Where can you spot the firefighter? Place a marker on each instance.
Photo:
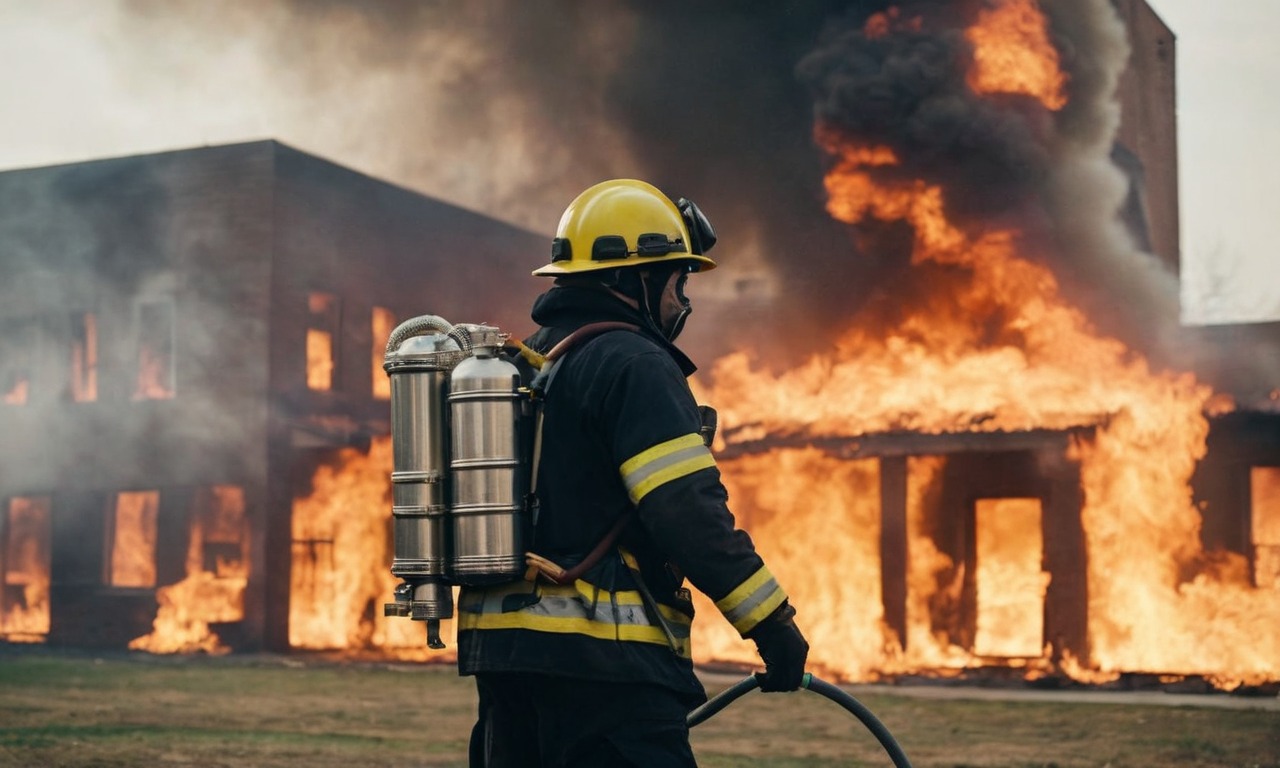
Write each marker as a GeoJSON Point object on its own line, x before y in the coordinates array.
{"type": "Point", "coordinates": [586, 662]}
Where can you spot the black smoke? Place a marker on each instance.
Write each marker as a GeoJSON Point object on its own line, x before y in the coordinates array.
{"type": "Point", "coordinates": [512, 108]}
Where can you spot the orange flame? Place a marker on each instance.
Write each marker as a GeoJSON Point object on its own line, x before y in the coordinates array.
{"type": "Point", "coordinates": [24, 570]}
{"type": "Point", "coordinates": [1012, 54]}
{"type": "Point", "coordinates": [1000, 351]}
{"type": "Point", "coordinates": [341, 572]}
{"type": "Point", "coordinates": [382, 324]}
{"type": "Point", "coordinates": [319, 360]}
{"type": "Point", "coordinates": [213, 590]}
{"type": "Point", "coordinates": [154, 381]}
{"type": "Point", "coordinates": [84, 361]}
{"type": "Point", "coordinates": [1264, 486]}
{"type": "Point", "coordinates": [879, 25]}
{"type": "Point", "coordinates": [133, 539]}
{"type": "Point", "coordinates": [17, 394]}
{"type": "Point", "coordinates": [1009, 582]}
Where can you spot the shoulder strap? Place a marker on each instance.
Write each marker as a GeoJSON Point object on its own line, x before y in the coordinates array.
{"type": "Point", "coordinates": [542, 382]}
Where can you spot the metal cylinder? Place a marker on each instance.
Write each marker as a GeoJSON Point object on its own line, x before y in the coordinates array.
{"type": "Point", "coordinates": [488, 475]}
{"type": "Point", "coordinates": [420, 354]}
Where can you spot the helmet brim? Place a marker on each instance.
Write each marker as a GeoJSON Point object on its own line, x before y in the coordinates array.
{"type": "Point", "coordinates": [558, 268]}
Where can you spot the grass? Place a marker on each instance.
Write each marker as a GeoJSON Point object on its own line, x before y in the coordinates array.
{"type": "Point", "coordinates": [116, 710]}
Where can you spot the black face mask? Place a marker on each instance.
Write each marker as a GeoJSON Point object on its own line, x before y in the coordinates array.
{"type": "Point", "coordinates": [647, 287]}
{"type": "Point", "coordinates": [675, 324]}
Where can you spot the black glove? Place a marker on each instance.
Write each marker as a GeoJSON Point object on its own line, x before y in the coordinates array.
{"type": "Point", "coordinates": [783, 649]}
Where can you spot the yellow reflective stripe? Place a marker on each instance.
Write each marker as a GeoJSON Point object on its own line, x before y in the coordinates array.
{"type": "Point", "coordinates": [663, 463]}
{"type": "Point", "coordinates": [636, 633]}
{"type": "Point", "coordinates": [752, 600]}
{"type": "Point", "coordinates": [669, 613]}
{"type": "Point", "coordinates": [566, 610]}
{"type": "Point", "coordinates": [591, 593]}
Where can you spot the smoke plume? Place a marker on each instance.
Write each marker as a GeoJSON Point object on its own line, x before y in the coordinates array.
{"type": "Point", "coordinates": [512, 108]}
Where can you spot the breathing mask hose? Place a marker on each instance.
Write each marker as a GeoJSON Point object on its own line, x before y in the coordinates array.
{"type": "Point", "coordinates": [821, 687]}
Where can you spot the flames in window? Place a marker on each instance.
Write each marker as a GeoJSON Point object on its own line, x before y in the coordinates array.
{"type": "Point", "coordinates": [321, 335]}
{"type": "Point", "coordinates": [341, 571]}
{"type": "Point", "coordinates": [24, 569]}
{"type": "Point", "coordinates": [384, 322]}
{"type": "Point", "coordinates": [155, 363]}
{"type": "Point", "coordinates": [84, 358]}
{"type": "Point", "coordinates": [132, 556]}
{"type": "Point", "coordinates": [17, 341]}
{"type": "Point", "coordinates": [1265, 489]}
{"type": "Point", "coordinates": [1009, 582]}
{"type": "Point", "coordinates": [217, 572]}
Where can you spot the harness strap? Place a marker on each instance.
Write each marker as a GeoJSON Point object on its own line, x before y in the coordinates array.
{"type": "Point", "coordinates": [553, 573]}
{"type": "Point", "coordinates": [541, 386]}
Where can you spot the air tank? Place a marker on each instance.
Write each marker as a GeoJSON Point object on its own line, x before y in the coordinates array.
{"type": "Point", "coordinates": [488, 475]}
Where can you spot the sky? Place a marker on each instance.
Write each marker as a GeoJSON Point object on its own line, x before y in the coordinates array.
{"type": "Point", "coordinates": [1228, 156]}
{"type": "Point", "coordinates": [86, 79]}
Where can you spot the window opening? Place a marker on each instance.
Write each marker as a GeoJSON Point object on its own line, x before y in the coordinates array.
{"type": "Point", "coordinates": [217, 572]}
{"type": "Point", "coordinates": [132, 539]}
{"type": "Point", "coordinates": [84, 358]}
{"type": "Point", "coordinates": [155, 377]}
{"type": "Point", "coordinates": [322, 333]}
{"type": "Point", "coordinates": [1009, 581]}
{"type": "Point", "coordinates": [1264, 485]}
{"type": "Point", "coordinates": [17, 351]}
{"type": "Point", "coordinates": [24, 569]}
{"type": "Point", "coordinates": [384, 322]}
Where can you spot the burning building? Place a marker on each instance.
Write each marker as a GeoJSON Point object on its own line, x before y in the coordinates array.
{"type": "Point", "coordinates": [187, 337]}
{"type": "Point", "coordinates": [983, 419]}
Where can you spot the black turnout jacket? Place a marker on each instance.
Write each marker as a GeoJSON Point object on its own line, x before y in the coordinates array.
{"type": "Point", "coordinates": [620, 433]}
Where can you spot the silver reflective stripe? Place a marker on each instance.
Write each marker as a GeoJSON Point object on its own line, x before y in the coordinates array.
{"type": "Point", "coordinates": [663, 463]}
{"type": "Point", "coordinates": [752, 600]}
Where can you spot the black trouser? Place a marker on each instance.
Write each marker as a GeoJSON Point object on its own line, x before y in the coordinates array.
{"type": "Point", "coordinates": [532, 721]}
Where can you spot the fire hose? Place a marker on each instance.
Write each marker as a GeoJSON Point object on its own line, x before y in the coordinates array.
{"type": "Point", "coordinates": [820, 687]}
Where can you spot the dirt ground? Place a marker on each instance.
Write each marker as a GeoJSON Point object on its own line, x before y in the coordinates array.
{"type": "Point", "coordinates": [116, 710]}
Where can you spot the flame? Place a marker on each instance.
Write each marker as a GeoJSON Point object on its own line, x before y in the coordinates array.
{"type": "Point", "coordinates": [341, 572]}
{"type": "Point", "coordinates": [319, 360]}
{"type": "Point", "coordinates": [84, 361]}
{"type": "Point", "coordinates": [324, 308]}
{"type": "Point", "coordinates": [155, 381]}
{"type": "Point", "coordinates": [1012, 54]}
{"type": "Point", "coordinates": [994, 348]}
{"type": "Point", "coordinates": [383, 323]}
{"type": "Point", "coordinates": [213, 591]}
{"type": "Point", "coordinates": [934, 580]}
{"type": "Point", "coordinates": [1009, 583]}
{"type": "Point", "coordinates": [133, 540]}
{"type": "Point", "coordinates": [18, 393]}
{"type": "Point", "coordinates": [842, 617]}
{"type": "Point", "coordinates": [24, 570]}
{"type": "Point", "coordinates": [879, 25]}
{"type": "Point", "coordinates": [1264, 485]}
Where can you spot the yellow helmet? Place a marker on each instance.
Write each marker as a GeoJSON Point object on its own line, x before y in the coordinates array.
{"type": "Point", "coordinates": [626, 223]}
